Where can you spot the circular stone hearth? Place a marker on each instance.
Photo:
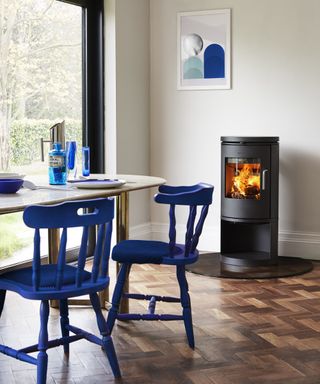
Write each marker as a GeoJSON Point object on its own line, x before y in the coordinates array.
{"type": "Point", "coordinates": [209, 265]}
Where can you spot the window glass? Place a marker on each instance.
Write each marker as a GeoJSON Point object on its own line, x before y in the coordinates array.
{"type": "Point", "coordinates": [40, 85]}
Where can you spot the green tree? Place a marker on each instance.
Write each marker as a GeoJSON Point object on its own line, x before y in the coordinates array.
{"type": "Point", "coordinates": [40, 68]}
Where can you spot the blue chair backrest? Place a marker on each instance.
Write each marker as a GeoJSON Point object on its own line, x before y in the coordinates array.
{"type": "Point", "coordinates": [82, 213]}
{"type": "Point", "coordinates": [192, 196]}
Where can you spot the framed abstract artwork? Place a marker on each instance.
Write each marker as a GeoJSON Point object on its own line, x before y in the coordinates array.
{"type": "Point", "coordinates": [204, 49]}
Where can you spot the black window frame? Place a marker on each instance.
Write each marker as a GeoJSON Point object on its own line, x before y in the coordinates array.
{"type": "Point", "coordinates": [93, 80]}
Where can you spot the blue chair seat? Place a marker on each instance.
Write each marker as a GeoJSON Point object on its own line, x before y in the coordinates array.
{"type": "Point", "coordinates": [153, 252]}
{"type": "Point", "coordinates": [20, 281]}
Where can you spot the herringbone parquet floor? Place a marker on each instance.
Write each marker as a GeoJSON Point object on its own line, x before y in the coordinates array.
{"type": "Point", "coordinates": [247, 332]}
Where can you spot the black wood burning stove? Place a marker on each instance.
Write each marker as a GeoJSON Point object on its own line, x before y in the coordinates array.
{"type": "Point", "coordinates": [249, 200]}
{"type": "Point", "coordinates": [249, 214]}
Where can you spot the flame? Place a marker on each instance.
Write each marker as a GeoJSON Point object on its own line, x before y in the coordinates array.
{"type": "Point", "coordinates": [246, 182]}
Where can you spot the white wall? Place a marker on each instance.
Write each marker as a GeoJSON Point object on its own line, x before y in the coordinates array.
{"type": "Point", "coordinates": [127, 66]}
{"type": "Point", "coordinates": [275, 92]}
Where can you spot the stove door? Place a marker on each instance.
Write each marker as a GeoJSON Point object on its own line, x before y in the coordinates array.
{"type": "Point", "coordinates": [246, 181]}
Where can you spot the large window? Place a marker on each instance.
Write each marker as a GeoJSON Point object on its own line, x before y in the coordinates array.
{"type": "Point", "coordinates": [41, 78]}
{"type": "Point", "coordinates": [51, 70]}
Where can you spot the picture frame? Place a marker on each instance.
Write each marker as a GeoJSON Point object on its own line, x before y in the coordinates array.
{"type": "Point", "coordinates": [203, 50]}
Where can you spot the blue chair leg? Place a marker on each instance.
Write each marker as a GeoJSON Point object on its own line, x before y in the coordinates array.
{"type": "Point", "coordinates": [117, 294]}
{"type": "Point", "coordinates": [186, 304]}
{"type": "Point", "coordinates": [64, 322]}
{"type": "Point", "coordinates": [107, 342]}
{"type": "Point", "coordinates": [2, 299]}
{"type": "Point", "coordinates": [42, 358]}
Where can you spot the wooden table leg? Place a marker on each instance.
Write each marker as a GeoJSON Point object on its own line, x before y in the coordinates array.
{"type": "Point", "coordinates": [123, 234]}
{"type": "Point", "coordinates": [104, 297]}
{"type": "Point", "coordinates": [54, 242]}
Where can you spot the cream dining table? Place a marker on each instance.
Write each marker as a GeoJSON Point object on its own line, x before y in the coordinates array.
{"type": "Point", "coordinates": [10, 203]}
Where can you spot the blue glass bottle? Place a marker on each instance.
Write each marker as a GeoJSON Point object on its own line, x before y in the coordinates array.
{"type": "Point", "coordinates": [71, 153]}
{"type": "Point", "coordinates": [85, 161]}
{"type": "Point", "coordinates": [57, 165]}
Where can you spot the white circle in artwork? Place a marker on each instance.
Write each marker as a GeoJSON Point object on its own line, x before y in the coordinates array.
{"type": "Point", "coordinates": [192, 44]}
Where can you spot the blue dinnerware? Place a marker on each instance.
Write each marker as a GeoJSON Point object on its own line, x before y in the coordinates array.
{"type": "Point", "coordinates": [10, 185]}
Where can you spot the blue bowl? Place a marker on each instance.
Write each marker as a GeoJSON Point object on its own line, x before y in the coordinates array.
{"type": "Point", "coordinates": [10, 185]}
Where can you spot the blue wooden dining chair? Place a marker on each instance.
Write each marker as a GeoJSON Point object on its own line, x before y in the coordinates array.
{"type": "Point", "coordinates": [130, 252]}
{"type": "Point", "coordinates": [61, 281]}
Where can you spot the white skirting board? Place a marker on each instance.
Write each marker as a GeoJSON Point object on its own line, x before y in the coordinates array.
{"type": "Point", "coordinates": [295, 244]}
{"type": "Point", "coordinates": [299, 244]}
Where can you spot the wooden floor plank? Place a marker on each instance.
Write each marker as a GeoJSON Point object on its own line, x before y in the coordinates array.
{"type": "Point", "coordinates": [247, 332]}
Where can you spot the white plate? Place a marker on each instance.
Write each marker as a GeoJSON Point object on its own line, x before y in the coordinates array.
{"type": "Point", "coordinates": [103, 184]}
{"type": "Point", "coordinates": [4, 175]}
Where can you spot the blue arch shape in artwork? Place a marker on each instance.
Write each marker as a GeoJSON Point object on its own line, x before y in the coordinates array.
{"type": "Point", "coordinates": [214, 62]}
{"type": "Point", "coordinates": [193, 68]}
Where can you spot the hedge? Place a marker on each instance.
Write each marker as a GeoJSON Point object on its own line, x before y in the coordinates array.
{"type": "Point", "coordinates": [25, 138]}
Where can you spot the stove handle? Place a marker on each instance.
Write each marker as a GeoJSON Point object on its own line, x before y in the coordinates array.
{"type": "Point", "coordinates": [264, 172]}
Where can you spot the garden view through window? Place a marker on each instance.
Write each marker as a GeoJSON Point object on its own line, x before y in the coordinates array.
{"type": "Point", "coordinates": [40, 85]}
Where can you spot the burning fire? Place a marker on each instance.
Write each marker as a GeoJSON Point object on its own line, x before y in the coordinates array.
{"type": "Point", "coordinates": [246, 182]}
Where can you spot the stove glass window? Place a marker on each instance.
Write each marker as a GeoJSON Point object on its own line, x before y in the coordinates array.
{"type": "Point", "coordinates": [243, 176]}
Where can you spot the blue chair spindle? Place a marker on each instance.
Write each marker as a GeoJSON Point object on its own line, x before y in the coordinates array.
{"type": "Point", "coordinates": [106, 251]}
{"type": "Point", "coordinates": [97, 254]}
{"type": "Point", "coordinates": [172, 229]}
{"type": "Point", "coordinates": [129, 252]}
{"type": "Point", "coordinates": [36, 262]}
{"type": "Point", "coordinates": [61, 259]}
{"type": "Point", "coordinates": [61, 281]}
{"type": "Point", "coordinates": [198, 231]}
{"type": "Point", "coordinates": [82, 256]}
{"type": "Point", "coordinates": [190, 229]}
